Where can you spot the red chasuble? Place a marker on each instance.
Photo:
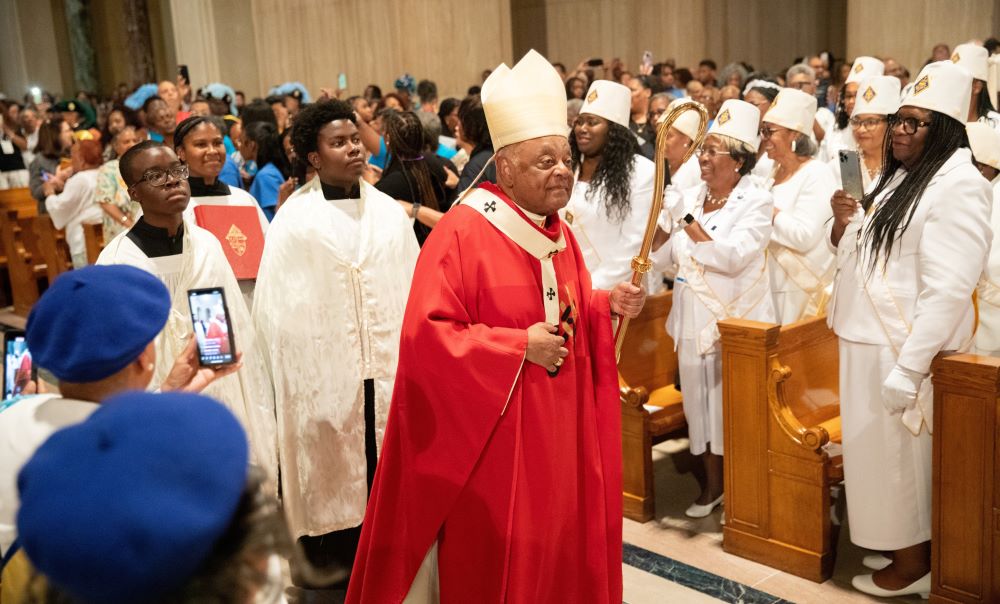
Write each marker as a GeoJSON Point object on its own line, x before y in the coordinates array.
{"type": "Point", "coordinates": [515, 474]}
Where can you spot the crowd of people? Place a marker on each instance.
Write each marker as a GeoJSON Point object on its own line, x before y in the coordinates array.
{"type": "Point", "coordinates": [435, 297]}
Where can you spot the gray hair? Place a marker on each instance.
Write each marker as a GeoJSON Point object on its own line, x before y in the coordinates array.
{"type": "Point", "coordinates": [799, 69]}
{"type": "Point", "coordinates": [431, 124]}
{"type": "Point", "coordinates": [739, 151]}
{"type": "Point", "coordinates": [662, 95]}
{"type": "Point", "coordinates": [803, 146]}
{"type": "Point", "coordinates": [729, 70]}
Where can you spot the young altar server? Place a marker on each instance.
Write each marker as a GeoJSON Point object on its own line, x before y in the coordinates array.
{"type": "Point", "coordinates": [717, 251]}
{"type": "Point", "coordinates": [613, 192]}
{"type": "Point", "coordinates": [984, 142]}
{"type": "Point", "coordinates": [909, 257]}
{"type": "Point", "coordinates": [329, 304]}
{"type": "Point", "coordinates": [799, 262]}
{"type": "Point", "coordinates": [184, 256]}
{"type": "Point", "coordinates": [500, 479]}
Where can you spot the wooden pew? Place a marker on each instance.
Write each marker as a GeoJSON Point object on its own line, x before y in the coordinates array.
{"type": "Point", "coordinates": [781, 409]}
{"type": "Point", "coordinates": [93, 236]}
{"type": "Point", "coordinates": [24, 262]}
{"type": "Point", "coordinates": [651, 406]}
{"type": "Point", "coordinates": [965, 504]}
{"type": "Point", "coordinates": [53, 247]}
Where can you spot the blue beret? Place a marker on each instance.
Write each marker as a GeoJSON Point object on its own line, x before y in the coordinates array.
{"type": "Point", "coordinates": [293, 89]}
{"type": "Point", "coordinates": [137, 99]}
{"type": "Point", "coordinates": [94, 321]}
{"type": "Point", "coordinates": [220, 92]}
{"type": "Point", "coordinates": [127, 505]}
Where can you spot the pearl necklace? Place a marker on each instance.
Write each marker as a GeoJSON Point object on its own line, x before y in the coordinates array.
{"type": "Point", "coordinates": [712, 200]}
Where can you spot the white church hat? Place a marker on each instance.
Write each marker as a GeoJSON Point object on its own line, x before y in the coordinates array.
{"type": "Point", "coordinates": [526, 102]}
{"type": "Point", "coordinates": [609, 100]}
{"type": "Point", "coordinates": [793, 109]}
{"type": "Point", "coordinates": [877, 95]}
{"type": "Point", "coordinates": [739, 120]}
{"type": "Point", "coordinates": [944, 87]}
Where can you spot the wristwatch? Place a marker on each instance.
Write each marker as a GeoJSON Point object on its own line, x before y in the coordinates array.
{"type": "Point", "coordinates": [416, 208]}
{"type": "Point", "coordinates": [688, 219]}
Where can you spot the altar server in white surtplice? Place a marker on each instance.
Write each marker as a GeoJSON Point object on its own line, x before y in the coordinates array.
{"type": "Point", "coordinates": [909, 257]}
{"type": "Point", "coordinates": [984, 142]}
{"type": "Point", "coordinates": [718, 251]}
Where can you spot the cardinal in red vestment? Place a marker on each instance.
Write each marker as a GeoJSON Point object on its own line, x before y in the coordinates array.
{"type": "Point", "coordinates": [500, 474]}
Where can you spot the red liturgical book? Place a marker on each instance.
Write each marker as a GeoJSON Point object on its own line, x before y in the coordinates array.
{"type": "Point", "coordinates": [238, 230]}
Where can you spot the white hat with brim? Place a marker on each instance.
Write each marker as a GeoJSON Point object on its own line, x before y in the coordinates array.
{"type": "Point", "coordinates": [609, 100]}
{"type": "Point", "coordinates": [941, 86]}
{"type": "Point", "coordinates": [526, 102]}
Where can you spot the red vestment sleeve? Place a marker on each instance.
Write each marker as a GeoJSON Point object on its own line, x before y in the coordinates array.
{"type": "Point", "coordinates": [454, 380]}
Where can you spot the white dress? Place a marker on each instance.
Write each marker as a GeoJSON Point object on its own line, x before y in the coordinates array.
{"type": "Point", "coordinates": [73, 208]}
{"type": "Point", "coordinates": [248, 393]}
{"type": "Point", "coordinates": [799, 261]}
{"type": "Point", "coordinates": [607, 243]}
{"type": "Point", "coordinates": [329, 304]}
{"type": "Point", "coordinates": [903, 313]}
{"type": "Point", "coordinates": [719, 279]}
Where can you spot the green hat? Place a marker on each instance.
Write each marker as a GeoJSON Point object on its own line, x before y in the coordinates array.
{"type": "Point", "coordinates": [83, 108]}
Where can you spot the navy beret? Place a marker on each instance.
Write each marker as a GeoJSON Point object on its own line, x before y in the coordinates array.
{"type": "Point", "coordinates": [127, 506]}
{"type": "Point", "coordinates": [94, 321]}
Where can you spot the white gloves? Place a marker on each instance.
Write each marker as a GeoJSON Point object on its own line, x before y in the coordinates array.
{"type": "Point", "coordinates": [673, 205]}
{"type": "Point", "coordinates": [900, 389]}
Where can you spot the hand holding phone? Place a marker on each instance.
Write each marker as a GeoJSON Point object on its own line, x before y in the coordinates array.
{"type": "Point", "coordinates": [212, 327]}
{"type": "Point", "coordinates": [19, 371]}
{"type": "Point", "coordinates": [595, 62]}
{"type": "Point", "coordinates": [850, 174]}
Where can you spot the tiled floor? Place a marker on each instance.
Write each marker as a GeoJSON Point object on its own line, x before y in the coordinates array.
{"type": "Point", "coordinates": [698, 543]}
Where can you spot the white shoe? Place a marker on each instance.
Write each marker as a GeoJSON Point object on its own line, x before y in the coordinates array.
{"type": "Point", "coordinates": [865, 584]}
{"type": "Point", "coordinates": [701, 511]}
{"type": "Point", "coordinates": [876, 561]}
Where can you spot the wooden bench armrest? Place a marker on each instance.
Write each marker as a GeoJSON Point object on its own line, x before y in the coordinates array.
{"type": "Point", "coordinates": [634, 397]}
{"type": "Point", "coordinates": [812, 438]}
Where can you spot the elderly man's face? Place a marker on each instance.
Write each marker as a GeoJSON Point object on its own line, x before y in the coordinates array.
{"type": "Point", "coordinates": [537, 174]}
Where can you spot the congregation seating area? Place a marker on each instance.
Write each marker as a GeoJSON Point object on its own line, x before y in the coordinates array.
{"type": "Point", "coordinates": [34, 251]}
{"type": "Point", "coordinates": [783, 466]}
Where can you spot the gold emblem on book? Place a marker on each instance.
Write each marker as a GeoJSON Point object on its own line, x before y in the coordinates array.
{"type": "Point", "coordinates": [922, 85]}
{"type": "Point", "coordinates": [237, 240]}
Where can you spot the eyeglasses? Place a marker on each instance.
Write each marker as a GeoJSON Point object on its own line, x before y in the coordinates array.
{"type": "Point", "coordinates": [909, 124]}
{"type": "Point", "coordinates": [158, 178]}
{"type": "Point", "coordinates": [866, 124]}
{"type": "Point", "coordinates": [767, 132]}
{"type": "Point", "coordinates": [710, 153]}
{"type": "Point", "coordinates": [800, 85]}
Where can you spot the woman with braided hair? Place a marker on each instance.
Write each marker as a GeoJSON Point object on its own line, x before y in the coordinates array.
{"type": "Point", "coordinates": [613, 192]}
{"type": "Point", "coordinates": [909, 256]}
{"type": "Point", "coordinates": [414, 178]}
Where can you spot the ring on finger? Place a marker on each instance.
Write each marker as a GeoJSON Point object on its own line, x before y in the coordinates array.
{"type": "Point", "coordinates": [559, 362]}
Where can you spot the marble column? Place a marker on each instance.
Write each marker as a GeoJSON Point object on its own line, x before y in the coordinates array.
{"type": "Point", "coordinates": [140, 42]}
{"type": "Point", "coordinates": [81, 50]}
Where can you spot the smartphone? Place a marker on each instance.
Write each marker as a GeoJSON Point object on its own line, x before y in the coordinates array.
{"type": "Point", "coordinates": [18, 368]}
{"type": "Point", "coordinates": [850, 174]}
{"type": "Point", "coordinates": [647, 62]}
{"type": "Point", "coordinates": [46, 177]}
{"type": "Point", "coordinates": [182, 70]}
{"type": "Point", "coordinates": [595, 62]}
{"type": "Point", "coordinates": [212, 326]}
{"type": "Point", "coordinates": [342, 81]}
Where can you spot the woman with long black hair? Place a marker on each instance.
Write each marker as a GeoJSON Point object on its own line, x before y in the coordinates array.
{"type": "Point", "coordinates": [414, 178]}
{"type": "Point", "coordinates": [613, 192]}
{"type": "Point", "coordinates": [909, 256]}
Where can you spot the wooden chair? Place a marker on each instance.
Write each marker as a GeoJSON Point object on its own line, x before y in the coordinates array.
{"type": "Point", "coordinates": [93, 236]}
{"type": "Point", "coordinates": [651, 406]}
{"type": "Point", "coordinates": [24, 262]}
{"type": "Point", "coordinates": [965, 502]}
{"type": "Point", "coordinates": [53, 247]}
{"type": "Point", "coordinates": [781, 409]}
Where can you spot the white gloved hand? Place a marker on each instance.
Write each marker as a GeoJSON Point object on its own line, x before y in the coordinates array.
{"type": "Point", "coordinates": [899, 390]}
{"type": "Point", "coordinates": [673, 205]}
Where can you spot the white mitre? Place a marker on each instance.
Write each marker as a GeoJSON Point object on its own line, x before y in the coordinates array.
{"type": "Point", "coordinates": [526, 102]}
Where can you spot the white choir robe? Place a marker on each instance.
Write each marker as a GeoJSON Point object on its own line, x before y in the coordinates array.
{"type": "Point", "coordinates": [329, 306]}
{"type": "Point", "coordinates": [988, 334]}
{"type": "Point", "coordinates": [247, 393]}
{"type": "Point", "coordinates": [236, 197]}
{"type": "Point", "coordinates": [919, 304]}
{"type": "Point", "coordinates": [608, 244]}
{"type": "Point", "coordinates": [734, 268]}
{"type": "Point", "coordinates": [800, 263]}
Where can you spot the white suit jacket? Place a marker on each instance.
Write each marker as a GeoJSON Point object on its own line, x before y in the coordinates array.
{"type": "Point", "coordinates": [988, 334]}
{"type": "Point", "coordinates": [932, 271]}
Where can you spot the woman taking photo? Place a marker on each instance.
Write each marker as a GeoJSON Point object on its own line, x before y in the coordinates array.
{"type": "Point", "coordinates": [878, 99]}
{"type": "Point", "coordinates": [909, 257]}
{"type": "Point", "coordinates": [801, 186]}
{"type": "Point", "coordinates": [613, 192]}
{"type": "Point", "coordinates": [841, 136]}
{"type": "Point", "coordinates": [718, 251]}
{"type": "Point", "coordinates": [198, 142]}
{"type": "Point", "coordinates": [414, 178]}
{"type": "Point", "coordinates": [51, 163]}
{"type": "Point", "coordinates": [119, 211]}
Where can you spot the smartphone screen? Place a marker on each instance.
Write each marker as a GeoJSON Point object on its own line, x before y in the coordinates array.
{"type": "Point", "coordinates": [182, 70]}
{"type": "Point", "coordinates": [647, 60]}
{"type": "Point", "coordinates": [850, 174]}
{"type": "Point", "coordinates": [212, 327]}
{"type": "Point", "coordinates": [18, 368]}
{"type": "Point", "coordinates": [595, 62]}
{"type": "Point", "coordinates": [342, 81]}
